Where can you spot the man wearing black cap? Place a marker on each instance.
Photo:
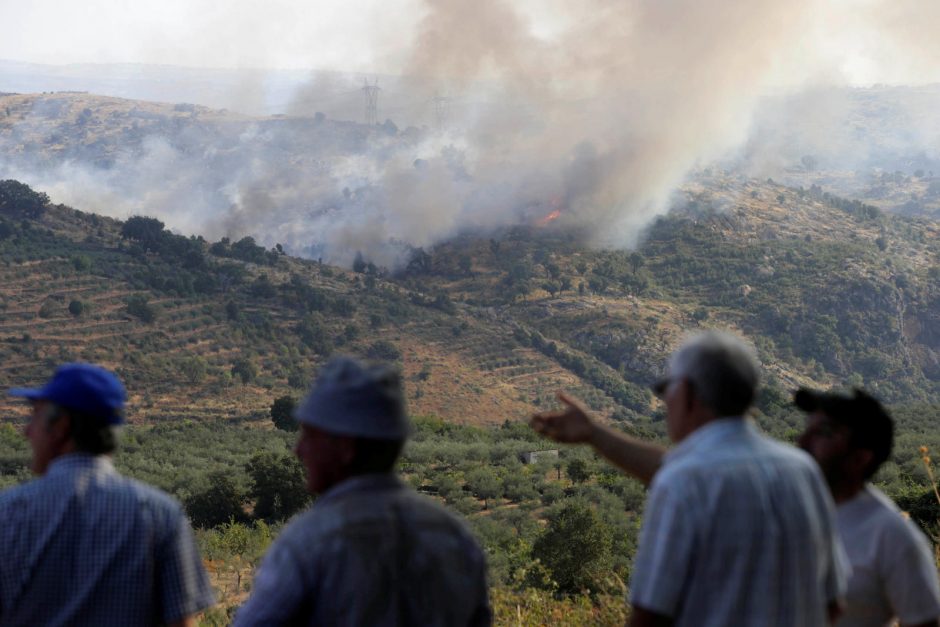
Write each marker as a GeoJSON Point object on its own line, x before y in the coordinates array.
{"type": "Point", "coordinates": [370, 551]}
{"type": "Point", "coordinates": [82, 545]}
{"type": "Point", "coordinates": [893, 570]}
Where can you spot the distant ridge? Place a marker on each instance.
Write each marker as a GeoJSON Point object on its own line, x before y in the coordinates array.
{"type": "Point", "coordinates": [251, 91]}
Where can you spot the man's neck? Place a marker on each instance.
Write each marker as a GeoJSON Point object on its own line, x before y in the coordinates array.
{"type": "Point", "coordinates": [710, 420]}
{"type": "Point", "coordinates": [702, 418]}
{"type": "Point", "coordinates": [846, 491]}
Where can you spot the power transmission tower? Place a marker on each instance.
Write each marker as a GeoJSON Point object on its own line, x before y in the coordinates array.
{"type": "Point", "coordinates": [441, 109]}
{"type": "Point", "coordinates": [371, 93]}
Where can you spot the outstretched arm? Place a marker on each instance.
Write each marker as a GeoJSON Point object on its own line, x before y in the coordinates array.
{"type": "Point", "coordinates": [573, 424]}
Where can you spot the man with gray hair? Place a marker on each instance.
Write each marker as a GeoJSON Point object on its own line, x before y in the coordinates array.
{"type": "Point", "coordinates": [738, 528]}
{"type": "Point", "coordinates": [82, 545]}
{"type": "Point", "coordinates": [370, 551]}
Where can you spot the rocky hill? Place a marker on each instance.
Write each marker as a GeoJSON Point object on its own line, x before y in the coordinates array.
{"type": "Point", "coordinates": [485, 327]}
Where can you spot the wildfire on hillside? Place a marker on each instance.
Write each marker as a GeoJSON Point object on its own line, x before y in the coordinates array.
{"type": "Point", "coordinates": [554, 214]}
{"type": "Point", "coordinates": [544, 220]}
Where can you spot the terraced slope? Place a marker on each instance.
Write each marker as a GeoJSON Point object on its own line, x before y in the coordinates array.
{"type": "Point", "coordinates": [486, 327]}
{"type": "Point", "coordinates": [226, 351]}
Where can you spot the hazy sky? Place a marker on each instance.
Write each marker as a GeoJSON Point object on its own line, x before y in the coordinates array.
{"type": "Point", "coordinates": [354, 34]}
{"type": "Point", "coordinates": [853, 41]}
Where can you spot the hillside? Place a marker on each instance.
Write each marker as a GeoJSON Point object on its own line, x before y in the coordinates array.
{"type": "Point", "coordinates": [272, 320]}
{"type": "Point", "coordinates": [485, 327]}
{"type": "Point", "coordinates": [832, 290]}
{"type": "Point", "coordinates": [42, 130]}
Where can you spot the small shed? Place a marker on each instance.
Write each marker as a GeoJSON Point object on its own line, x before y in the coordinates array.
{"type": "Point", "coordinates": [531, 457]}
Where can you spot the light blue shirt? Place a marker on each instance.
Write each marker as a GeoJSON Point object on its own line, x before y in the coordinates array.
{"type": "Point", "coordinates": [83, 545]}
{"type": "Point", "coordinates": [371, 552]}
{"type": "Point", "coordinates": [738, 530]}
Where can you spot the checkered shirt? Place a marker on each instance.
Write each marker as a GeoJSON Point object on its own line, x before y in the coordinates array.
{"type": "Point", "coordinates": [371, 552]}
{"type": "Point", "coordinates": [83, 545]}
{"type": "Point", "coordinates": [738, 530]}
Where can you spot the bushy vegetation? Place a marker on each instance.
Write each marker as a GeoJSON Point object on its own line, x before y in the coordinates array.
{"type": "Point", "coordinates": [552, 530]}
{"type": "Point", "coordinates": [19, 200]}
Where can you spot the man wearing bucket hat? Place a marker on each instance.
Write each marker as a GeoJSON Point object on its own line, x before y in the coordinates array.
{"type": "Point", "coordinates": [81, 544]}
{"type": "Point", "coordinates": [370, 551]}
{"type": "Point", "coordinates": [894, 575]}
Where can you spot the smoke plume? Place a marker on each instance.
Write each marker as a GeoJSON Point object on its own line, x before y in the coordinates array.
{"type": "Point", "coordinates": [502, 113]}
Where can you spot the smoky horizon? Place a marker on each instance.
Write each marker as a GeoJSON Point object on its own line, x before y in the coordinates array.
{"type": "Point", "coordinates": [427, 120]}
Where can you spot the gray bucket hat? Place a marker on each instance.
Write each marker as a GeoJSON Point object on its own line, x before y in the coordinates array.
{"type": "Point", "coordinates": [355, 399]}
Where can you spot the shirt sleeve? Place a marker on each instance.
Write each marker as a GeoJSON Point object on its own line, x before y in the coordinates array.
{"type": "Point", "coordinates": [183, 585]}
{"type": "Point", "coordinates": [911, 578]}
{"type": "Point", "coordinates": [666, 549]}
{"type": "Point", "coordinates": [277, 591]}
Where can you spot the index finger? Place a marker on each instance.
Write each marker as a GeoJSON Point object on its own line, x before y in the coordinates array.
{"type": "Point", "coordinates": [570, 401]}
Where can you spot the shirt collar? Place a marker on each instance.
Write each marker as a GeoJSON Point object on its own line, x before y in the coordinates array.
{"type": "Point", "coordinates": [361, 483]}
{"type": "Point", "coordinates": [72, 462]}
{"type": "Point", "coordinates": [709, 434]}
{"type": "Point", "coordinates": [858, 501]}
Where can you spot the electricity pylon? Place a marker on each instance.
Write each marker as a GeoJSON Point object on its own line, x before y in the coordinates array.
{"type": "Point", "coordinates": [371, 93]}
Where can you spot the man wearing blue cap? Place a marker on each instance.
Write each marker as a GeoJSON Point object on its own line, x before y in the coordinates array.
{"type": "Point", "coordinates": [370, 551]}
{"type": "Point", "coordinates": [82, 545]}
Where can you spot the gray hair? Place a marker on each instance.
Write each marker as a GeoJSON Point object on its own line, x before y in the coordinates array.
{"type": "Point", "coordinates": [722, 368]}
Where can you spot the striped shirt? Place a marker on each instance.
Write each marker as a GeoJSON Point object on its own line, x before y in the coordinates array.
{"type": "Point", "coordinates": [83, 545]}
{"type": "Point", "coordinates": [739, 530]}
{"type": "Point", "coordinates": [371, 552]}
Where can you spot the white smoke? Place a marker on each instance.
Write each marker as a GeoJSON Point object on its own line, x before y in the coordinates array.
{"type": "Point", "coordinates": [599, 108]}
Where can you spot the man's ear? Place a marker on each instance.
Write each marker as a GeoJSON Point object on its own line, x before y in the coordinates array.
{"type": "Point", "coordinates": [688, 393]}
{"type": "Point", "coordinates": [60, 430]}
{"type": "Point", "coordinates": [859, 460]}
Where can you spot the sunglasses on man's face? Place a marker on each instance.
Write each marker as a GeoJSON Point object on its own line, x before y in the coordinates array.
{"type": "Point", "coordinates": [659, 387]}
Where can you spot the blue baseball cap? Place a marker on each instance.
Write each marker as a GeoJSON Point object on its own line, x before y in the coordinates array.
{"type": "Point", "coordinates": [355, 399]}
{"type": "Point", "coordinates": [85, 388]}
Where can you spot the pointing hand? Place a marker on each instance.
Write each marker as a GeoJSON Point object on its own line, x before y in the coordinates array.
{"type": "Point", "coordinates": [571, 424]}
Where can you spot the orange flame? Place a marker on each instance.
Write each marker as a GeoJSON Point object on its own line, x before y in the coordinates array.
{"type": "Point", "coordinates": [554, 215]}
